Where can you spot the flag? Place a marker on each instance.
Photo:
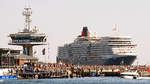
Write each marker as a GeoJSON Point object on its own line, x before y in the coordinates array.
{"type": "Point", "coordinates": [148, 70]}
{"type": "Point", "coordinates": [6, 59]}
{"type": "Point", "coordinates": [114, 29]}
{"type": "Point", "coordinates": [43, 51]}
{"type": "Point", "coordinates": [35, 52]}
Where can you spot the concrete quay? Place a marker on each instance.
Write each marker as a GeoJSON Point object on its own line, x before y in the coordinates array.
{"type": "Point", "coordinates": [70, 71]}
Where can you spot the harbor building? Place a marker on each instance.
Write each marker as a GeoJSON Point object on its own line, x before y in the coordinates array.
{"type": "Point", "coordinates": [27, 38]}
{"type": "Point", "coordinates": [7, 57]}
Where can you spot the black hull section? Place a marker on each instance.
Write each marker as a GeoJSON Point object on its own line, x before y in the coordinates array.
{"type": "Point", "coordinates": [126, 60]}
{"type": "Point", "coordinates": [118, 60]}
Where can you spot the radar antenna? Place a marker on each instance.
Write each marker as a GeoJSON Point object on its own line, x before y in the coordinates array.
{"type": "Point", "coordinates": [27, 13]}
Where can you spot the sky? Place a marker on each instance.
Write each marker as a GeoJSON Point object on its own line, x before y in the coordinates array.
{"type": "Point", "coordinates": [62, 21]}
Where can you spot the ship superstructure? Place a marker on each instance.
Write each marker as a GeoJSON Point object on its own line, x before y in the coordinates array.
{"type": "Point", "coordinates": [109, 50]}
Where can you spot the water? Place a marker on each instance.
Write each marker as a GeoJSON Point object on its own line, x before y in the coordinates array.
{"type": "Point", "coordinates": [86, 80]}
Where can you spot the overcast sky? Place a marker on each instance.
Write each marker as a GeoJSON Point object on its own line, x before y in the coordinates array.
{"type": "Point", "coordinates": [62, 21]}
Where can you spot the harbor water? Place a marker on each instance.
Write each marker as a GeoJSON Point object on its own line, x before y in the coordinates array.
{"type": "Point", "coordinates": [85, 80]}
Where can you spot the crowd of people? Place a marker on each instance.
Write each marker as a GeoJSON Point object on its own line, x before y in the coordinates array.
{"type": "Point", "coordinates": [68, 70]}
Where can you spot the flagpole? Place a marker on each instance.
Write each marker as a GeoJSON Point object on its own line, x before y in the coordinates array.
{"type": "Point", "coordinates": [45, 58]}
{"type": "Point", "coordinates": [8, 59]}
{"type": "Point", "coordinates": [115, 30]}
{"type": "Point", "coordinates": [48, 50]}
{"type": "Point", "coordinates": [43, 52]}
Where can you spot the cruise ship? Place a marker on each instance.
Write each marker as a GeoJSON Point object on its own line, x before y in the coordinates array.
{"type": "Point", "coordinates": [93, 50]}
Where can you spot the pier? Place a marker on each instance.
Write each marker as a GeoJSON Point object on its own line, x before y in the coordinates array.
{"type": "Point", "coordinates": [43, 71]}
